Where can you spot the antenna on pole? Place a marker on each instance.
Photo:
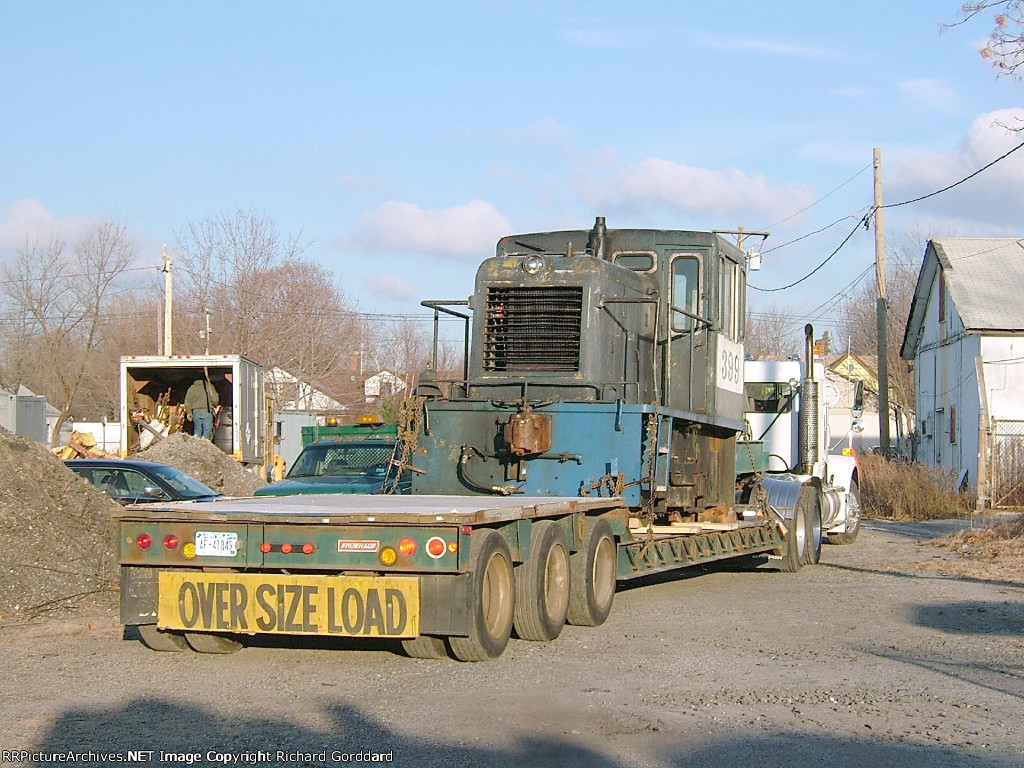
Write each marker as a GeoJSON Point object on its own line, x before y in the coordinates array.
{"type": "Point", "coordinates": [168, 314]}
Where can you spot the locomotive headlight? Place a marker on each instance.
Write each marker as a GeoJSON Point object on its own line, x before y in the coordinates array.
{"type": "Point", "coordinates": [533, 264]}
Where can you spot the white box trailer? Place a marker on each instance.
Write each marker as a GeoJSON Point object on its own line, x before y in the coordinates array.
{"type": "Point", "coordinates": [151, 385]}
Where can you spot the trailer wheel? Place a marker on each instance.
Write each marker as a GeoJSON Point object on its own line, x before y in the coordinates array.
{"type": "Point", "coordinates": [204, 642]}
{"type": "Point", "coordinates": [161, 640]}
{"type": "Point", "coordinates": [425, 647]}
{"type": "Point", "coordinates": [812, 521]}
{"type": "Point", "coordinates": [542, 584]}
{"type": "Point", "coordinates": [592, 573]}
{"type": "Point", "coordinates": [853, 521]}
{"type": "Point", "coordinates": [490, 563]}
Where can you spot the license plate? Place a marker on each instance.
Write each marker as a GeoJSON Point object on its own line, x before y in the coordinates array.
{"type": "Point", "coordinates": [254, 603]}
{"type": "Point", "coordinates": [216, 544]}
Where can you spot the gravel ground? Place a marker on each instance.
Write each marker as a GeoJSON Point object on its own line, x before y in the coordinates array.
{"type": "Point", "coordinates": [56, 531]}
{"type": "Point", "coordinates": [876, 657]}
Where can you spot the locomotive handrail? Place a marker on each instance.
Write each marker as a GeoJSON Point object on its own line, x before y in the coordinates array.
{"type": "Point", "coordinates": [440, 306]}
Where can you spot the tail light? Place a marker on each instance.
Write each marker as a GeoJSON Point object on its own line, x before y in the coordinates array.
{"type": "Point", "coordinates": [436, 547]}
{"type": "Point", "coordinates": [144, 540]}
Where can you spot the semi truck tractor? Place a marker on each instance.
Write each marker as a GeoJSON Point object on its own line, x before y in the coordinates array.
{"type": "Point", "coordinates": [599, 431]}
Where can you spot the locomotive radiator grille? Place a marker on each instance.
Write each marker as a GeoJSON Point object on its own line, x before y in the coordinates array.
{"type": "Point", "coordinates": [533, 329]}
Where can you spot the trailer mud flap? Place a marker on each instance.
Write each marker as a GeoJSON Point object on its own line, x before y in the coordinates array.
{"type": "Point", "coordinates": [343, 606]}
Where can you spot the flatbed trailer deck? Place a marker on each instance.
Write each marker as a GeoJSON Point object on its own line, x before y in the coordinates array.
{"type": "Point", "coordinates": [405, 567]}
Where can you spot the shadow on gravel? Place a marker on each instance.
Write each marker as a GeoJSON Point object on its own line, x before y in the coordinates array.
{"type": "Point", "coordinates": [972, 618]}
{"type": "Point", "coordinates": [932, 529]}
{"type": "Point", "coordinates": [926, 576]}
{"type": "Point", "coordinates": [352, 738]}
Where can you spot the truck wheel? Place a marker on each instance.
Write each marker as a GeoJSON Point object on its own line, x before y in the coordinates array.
{"type": "Point", "coordinates": [796, 542]}
{"type": "Point", "coordinates": [425, 647]}
{"type": "Point", "coordinates": [853, 519]}
{"type": "Point", "coordinates": [592, 573]}
{"type": "Point", "coordinates": [812, 521]}
{"type": "Point", "coordinates": [204, 642]}
{"type": "Point", "coordinates": [542, 584]}
{"type": "Point", "coordinates": [493, 599]}
{"type": "Point", "coordinates": [161, 640]}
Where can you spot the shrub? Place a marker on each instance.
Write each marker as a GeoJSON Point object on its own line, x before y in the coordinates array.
{"type": "Point", "coordinates": [900, 490]}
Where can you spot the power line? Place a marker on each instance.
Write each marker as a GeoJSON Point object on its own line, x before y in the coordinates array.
{"type": "Point", "coordinates": [811, 234]}
{"type": "Point", "coordinates": [820, 199]}
{"type": "Point", "coordinates": [958, 183]}
{"type": "Point", "coordinates": [866, 220]}
{"type": "Point", "coordinates": [829, 258]}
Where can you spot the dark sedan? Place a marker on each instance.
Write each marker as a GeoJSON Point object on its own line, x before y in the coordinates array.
{"type": "Point", "coordinates": [133, 482]}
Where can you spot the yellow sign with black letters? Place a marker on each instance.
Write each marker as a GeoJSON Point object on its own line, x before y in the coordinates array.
{"type": "Point", "coordinates": [253, 603]}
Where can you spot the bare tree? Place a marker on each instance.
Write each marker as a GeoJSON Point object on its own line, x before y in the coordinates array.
{"type": "Point", "coordinates": [61, 295]}
{"type": "Point", "coordinates": [220, 267]}
{"type": "Point", "coordinates": [265, 301]}
{"type": "Point", "coordinates": [1005, 46]}
{"type": "Point", "coordinates": [858, 319]}
{"type": "Point", "coordinates": [771, 333]}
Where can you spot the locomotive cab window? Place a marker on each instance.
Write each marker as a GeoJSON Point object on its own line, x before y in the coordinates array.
{"type": "Point", "coordinates": [638, 262]}
{"type": "Point", "coordinates": [685, 285]}
{"type": "Point", "coordinates": [731, 298]}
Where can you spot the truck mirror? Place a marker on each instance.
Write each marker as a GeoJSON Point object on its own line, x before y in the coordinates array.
{"type": "Point", "coordinates": [858, 400]}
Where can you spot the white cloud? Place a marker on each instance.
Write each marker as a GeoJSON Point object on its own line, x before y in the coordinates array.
{"type": "Point", "coordinates": [468, 230]}
{"type": "Point", "coordinates": [728, 193]}
{"type": "Point", "coordinates": [28, 220]}
{"type": "Point", "coordinates": [993, 199]}
{"type": "Point", "coordinates": [390, 286]}
{"type": "Point", "coordinates": [931, 94]}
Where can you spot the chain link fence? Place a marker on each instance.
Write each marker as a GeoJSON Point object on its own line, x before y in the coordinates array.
{"type": "Point", "coordinates": [1007, 464]}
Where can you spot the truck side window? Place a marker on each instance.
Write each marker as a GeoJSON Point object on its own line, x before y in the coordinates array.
{"type": "Point", "coordinates": [769, 397]}
{"type": "Point", "coordinates": [685, 284]}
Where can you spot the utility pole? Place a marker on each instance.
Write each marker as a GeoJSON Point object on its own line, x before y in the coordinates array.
{"type": "Point", "coordinates": [881, 311]}
{"type": "Point", "coordinates": [168, 314]}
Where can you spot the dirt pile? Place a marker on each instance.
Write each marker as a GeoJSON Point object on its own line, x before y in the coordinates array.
{"type": "Point", "coordinates": [204, 461]}
{"type": "Point", "coordinates": [989, 553]}
{"type": "Point", "coordinates": [56, 533]}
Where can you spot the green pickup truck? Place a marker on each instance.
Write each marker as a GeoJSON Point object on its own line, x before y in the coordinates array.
{"type": "Point", "coordinates": [353, 458]}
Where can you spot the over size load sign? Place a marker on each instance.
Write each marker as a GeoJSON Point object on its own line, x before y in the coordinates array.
{"type": "Point", "coordinates": [343, 606]}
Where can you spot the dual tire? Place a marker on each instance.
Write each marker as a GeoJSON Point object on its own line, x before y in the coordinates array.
{"type": "Point", "coordinates": [803, 545]}
{"type": "Point", "coordinates": [536, 598]}
{"type": "Point", "coordinates": [171, 641]}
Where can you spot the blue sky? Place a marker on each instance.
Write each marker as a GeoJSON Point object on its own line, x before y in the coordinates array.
{"type": "Point", "coordinates": [402, 139]}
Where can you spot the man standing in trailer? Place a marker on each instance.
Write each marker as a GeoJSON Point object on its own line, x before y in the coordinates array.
{"type": "Point", "coordinates": [201, 402]}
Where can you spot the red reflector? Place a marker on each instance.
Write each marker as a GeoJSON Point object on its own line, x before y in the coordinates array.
{"type": "Point", "coordinates": [467, 530]}
{"type": "Point", "coordinates": [170, 541]}
{"type": "Point", "coordinates": [265, 547]}
{"type": "Point", "coordinates": [144, 541]}
{"type": "Point", "coordinates": [436, 547]}
{"type": "Point", "coordinates": [407, 547]}
{"type": "Point", "coordinates": [307, 549]}
{"type": "Point", "coordinates": [286, 548]}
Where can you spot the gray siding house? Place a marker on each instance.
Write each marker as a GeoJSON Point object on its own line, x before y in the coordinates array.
{"type": "Point", "coordinates": [965, 336]}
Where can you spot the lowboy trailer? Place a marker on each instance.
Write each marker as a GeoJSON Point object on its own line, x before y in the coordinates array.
{"type": "Point", "coordinates": [597, 434]}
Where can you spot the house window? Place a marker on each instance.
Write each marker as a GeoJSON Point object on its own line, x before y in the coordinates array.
{"type": "Point", "coordinates": [952, 423]}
